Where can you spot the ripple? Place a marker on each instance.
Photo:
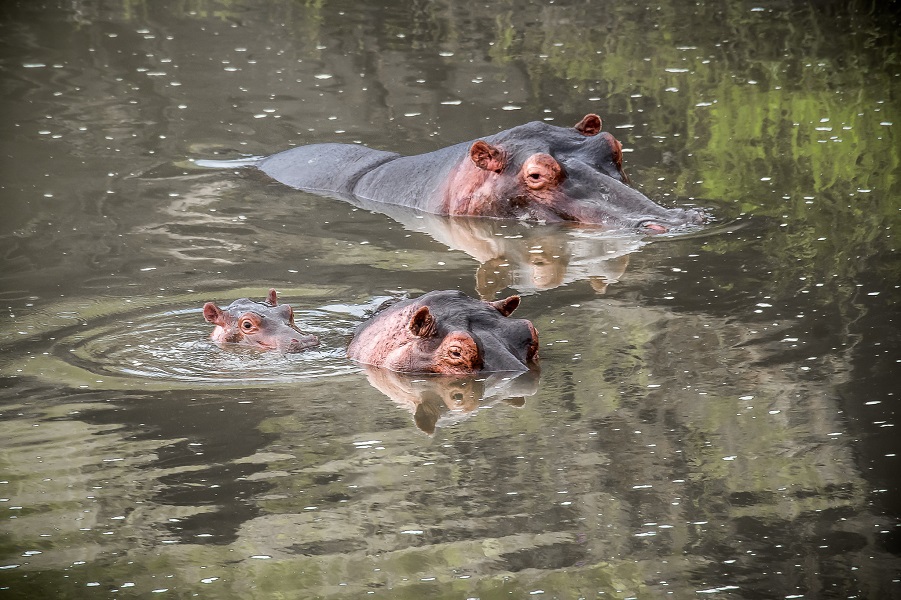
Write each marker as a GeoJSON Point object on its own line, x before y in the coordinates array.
{"type": "Point", "coordinates": [114, 346]}
{"type": "Point", "coordinates": [174, 345]}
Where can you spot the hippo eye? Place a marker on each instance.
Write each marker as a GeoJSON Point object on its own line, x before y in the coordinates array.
{"type": "Point", "coordinates": [455, 352]}
{"type": "Point", "coordinates": [247, 325]}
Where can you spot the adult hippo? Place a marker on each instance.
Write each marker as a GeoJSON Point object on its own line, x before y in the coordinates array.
{"type": "Point", "coordinates": [265, 325]}
{"type": "Point", "coordinates": [449, 333]}
{"type": "Point", "coordinates": [536, 171]}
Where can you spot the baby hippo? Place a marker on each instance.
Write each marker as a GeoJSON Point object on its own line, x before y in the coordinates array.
{"type": "Point", "coordinates": [263, 325]}
{"type": "Point", "coordinates": [447, 332]}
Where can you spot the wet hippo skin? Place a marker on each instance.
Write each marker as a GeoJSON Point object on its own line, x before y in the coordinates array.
{"type": "Point", "coordinates": [536, 171]}
{"type": "Point", "coordinates": [265, 325]}
{"type": "Point", "coordinates": [447, 332]}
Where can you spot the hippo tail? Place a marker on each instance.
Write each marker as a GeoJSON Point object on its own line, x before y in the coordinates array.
{"type": "Point", "coordinates": [250, 161]}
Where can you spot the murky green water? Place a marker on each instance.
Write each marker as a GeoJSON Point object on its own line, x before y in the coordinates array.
{"type": "Point", "coordinates": [716, 412]}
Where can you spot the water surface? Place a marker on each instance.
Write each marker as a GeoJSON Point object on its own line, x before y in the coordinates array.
{"type": "Point", "coordinates": [715, 412]}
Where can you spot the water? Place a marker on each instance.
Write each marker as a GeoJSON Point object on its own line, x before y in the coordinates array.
{"type": "Point", "coordinates": [715, 413]}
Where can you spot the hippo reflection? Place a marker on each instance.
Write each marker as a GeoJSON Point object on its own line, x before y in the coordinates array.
{"type": "Point", "coordinates": [523, 256]}
{"type": "Point", "coordinates": [442, 400]}
{"type": "Point", "coordinates": [265, 325]}
{"type": "Point", "coordinates": [536, 172]}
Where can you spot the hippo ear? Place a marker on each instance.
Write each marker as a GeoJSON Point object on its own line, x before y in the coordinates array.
{"type": "Point", "coordinates": [213, 314]}
{"type": "Point", "coordinates": [506, 306]}
{"type": "Point", "coordinates": [272, 298]}
{"type": "Point", "coordinates": [487, 157]}
{"type": "Point", "coordinates": [422, 323]}
{"type": "Point", "coordinates": [589, 125]}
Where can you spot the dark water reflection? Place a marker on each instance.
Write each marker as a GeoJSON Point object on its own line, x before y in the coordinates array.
{"type": "Point", "coordinates": [716, 412]}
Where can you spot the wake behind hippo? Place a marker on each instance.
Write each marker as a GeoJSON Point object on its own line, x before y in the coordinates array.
{"type": "Point", "coordinates": [536, 171]}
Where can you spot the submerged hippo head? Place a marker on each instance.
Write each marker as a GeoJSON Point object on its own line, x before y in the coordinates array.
{"type": "Point", "coordinates": [547, 173]}
{"type": "Point", "coordinates": [447, 332]}
{"type": "Point", "coordinates": [263, 325]}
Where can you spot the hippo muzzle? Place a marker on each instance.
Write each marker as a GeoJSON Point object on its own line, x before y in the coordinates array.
{"type": "Point", "coordinates": [594, 197]}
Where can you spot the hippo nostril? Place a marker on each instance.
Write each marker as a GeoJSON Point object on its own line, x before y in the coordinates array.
{"type": "Point", "coordinates": [654, 227]}
{"type": "Point", "coordinates": [696, 216]}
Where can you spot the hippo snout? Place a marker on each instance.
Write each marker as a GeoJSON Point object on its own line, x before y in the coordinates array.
{"type": "Point", "coordinates": [676, 217]}
{"type": "Point", "coordinates": [300, 344]}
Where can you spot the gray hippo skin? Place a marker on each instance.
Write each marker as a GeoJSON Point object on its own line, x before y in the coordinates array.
{"type": "Point", "coordinates": [449, 333]}
{"type": "Point", "coordinates": [536, 171]}
{"type": "Point", "coordinates": [265, 325]}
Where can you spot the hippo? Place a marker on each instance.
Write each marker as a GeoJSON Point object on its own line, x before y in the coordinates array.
{"type": "Point", "coordinates": [448, 333]}
{"type": "Point", "coordinates": [265, 325]}
{"type": "Point", "coordinates": [536, 172]}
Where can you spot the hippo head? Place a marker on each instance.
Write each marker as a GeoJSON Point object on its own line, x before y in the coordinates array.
{"type": "Point", "coordinates": [542, 172]}
{"type": "Point", "coordinates": [263, 325]}
{"type": "Point", "coordinates": [449, 333]}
